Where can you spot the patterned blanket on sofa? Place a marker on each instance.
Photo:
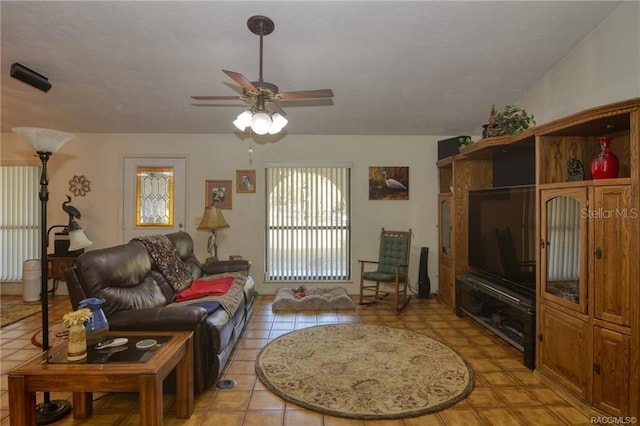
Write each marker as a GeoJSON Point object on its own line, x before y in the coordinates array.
{"type": "Point", "coordinates": [167, 259]}
{"type": "Point", "coordinates": [178, 275]}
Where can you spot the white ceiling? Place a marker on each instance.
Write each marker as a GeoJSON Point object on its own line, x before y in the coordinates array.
{"type": "Point", "coordinates": [396, 67]}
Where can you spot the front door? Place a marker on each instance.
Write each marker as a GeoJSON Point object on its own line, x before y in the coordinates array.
{"type": "Point", "coordinates": [154, 195]}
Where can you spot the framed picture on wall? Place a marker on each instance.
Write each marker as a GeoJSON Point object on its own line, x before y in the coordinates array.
{"type": "Point", "coordinates": [388, 183]}
{"type": "Point", "coordinates": [218, 193]}
{"type": "Point", "coordinates": [245, 181]}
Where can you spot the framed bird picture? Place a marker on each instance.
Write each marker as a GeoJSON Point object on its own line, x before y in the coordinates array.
{"type": "Point", "coordinates": [388, 183]}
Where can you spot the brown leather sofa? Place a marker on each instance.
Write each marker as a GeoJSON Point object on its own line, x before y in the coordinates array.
{"type": "Point", "coordinates": [137, 297]}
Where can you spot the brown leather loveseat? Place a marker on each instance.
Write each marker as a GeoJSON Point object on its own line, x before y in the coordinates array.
{"type": "Point", "coordinates": [139, 297]}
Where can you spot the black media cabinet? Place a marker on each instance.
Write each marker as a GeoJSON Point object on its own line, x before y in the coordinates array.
{"type": "Point", "coordinates": [507, 314]}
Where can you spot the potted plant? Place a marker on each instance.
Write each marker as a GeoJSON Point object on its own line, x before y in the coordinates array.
{"type": "Point", "coordinates": [511, 121]}
{"type": "Point", "coordinates": [464, 141]}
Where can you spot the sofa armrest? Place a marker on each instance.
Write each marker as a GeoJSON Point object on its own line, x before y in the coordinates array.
{"type": "Point", "coordinates": [184, 317]}
{"type": "Point", "coordinates": [222, 266]}
{"type": "Point", "coordinates": [76, 292]}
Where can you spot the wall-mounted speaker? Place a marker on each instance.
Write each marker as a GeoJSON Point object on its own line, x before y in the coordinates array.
{"type": "Point", "coordinates": [30, 77]}
{"type": "Point", "coordinates": [424, 284]}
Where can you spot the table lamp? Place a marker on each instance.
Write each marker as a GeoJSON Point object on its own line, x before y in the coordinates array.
{"type": "Point", "coordinates": [212, 220]}
{"type": "Point", "coordinates": [76, 240]}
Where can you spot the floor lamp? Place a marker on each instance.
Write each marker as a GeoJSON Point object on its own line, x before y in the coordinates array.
{"type": "Point", "coordinates": [45, 142]}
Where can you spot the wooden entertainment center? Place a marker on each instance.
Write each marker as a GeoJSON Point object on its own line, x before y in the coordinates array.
{"type": "Point", "coordinates": [587, 301]}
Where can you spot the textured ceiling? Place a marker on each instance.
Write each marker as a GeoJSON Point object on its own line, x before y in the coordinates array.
{"type": "Point", "coordinates": [396, 68]}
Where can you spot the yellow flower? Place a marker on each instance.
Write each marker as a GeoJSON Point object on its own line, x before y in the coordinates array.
{"type": "Point", "coordinates": [76, 317]}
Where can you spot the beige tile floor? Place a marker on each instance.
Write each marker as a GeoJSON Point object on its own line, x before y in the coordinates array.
{"type": "Point", "coordinates": [506, 393]}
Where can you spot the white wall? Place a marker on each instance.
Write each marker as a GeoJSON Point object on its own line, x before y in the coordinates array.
{"type": "Point", "coordinates": [98, 157]}
{"type": "Point", "coordinates": [603, 68]}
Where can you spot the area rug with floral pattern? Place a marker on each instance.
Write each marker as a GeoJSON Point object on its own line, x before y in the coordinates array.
{"type": "Point", "coordinates": [57, 334]}
{"type": "Point", "coordinates": [11, 313]}
{"type": "Point", "coordinates": [364, 371]}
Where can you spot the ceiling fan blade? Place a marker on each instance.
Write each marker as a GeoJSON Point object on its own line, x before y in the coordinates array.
{"type": "Point", "coordinates": [306, 94]}
{"type": "Point", "coordinates": [242, 81]}
{"type": "Point", "coordinates": [217, 98]}
{"type": "Point", "coordinates": [219, 105]}
{"type": "Point", "coordinates": [273, 106]}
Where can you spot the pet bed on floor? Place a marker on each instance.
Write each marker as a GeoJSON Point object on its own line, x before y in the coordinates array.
{"type": "Point", "coordinates": [311, 299]}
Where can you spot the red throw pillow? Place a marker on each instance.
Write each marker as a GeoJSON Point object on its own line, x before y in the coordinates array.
{"type": "Point", "coordinates": [202, 287]}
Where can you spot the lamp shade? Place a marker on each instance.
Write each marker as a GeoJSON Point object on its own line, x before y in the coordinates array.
{"type": "Point", "coordinates": [243, 120]}
{"type": "Point", "coordinates": [278, 123]}
{"type": "Point", "coordinates": [261, 123]}
{"type": "Point", "coordinates": [77, 238]}
{"type": "Point", "coordinates": [43, 140]}
{"type": "Point", "coordinates": [212, 219]}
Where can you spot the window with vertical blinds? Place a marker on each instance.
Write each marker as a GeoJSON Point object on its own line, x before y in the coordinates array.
{"type": "Point", "coordinates": [308, 223]}
{"type": "Point", "coordinates": [19, 222]}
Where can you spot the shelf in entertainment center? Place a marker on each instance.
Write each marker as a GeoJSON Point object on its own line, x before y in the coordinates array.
{"type": "Point", "coordinates": [468, 293]}
{"type": "Point", "coordinates": [596, 121]}
{"type": "Point", "coordinates": [581, 183]}
{"type": "Point", "coordinates": [487, 323]}
{"type": "Point", "coordinates": [484, 148]}
{"type": "Point", "coordinates": [448, 161]}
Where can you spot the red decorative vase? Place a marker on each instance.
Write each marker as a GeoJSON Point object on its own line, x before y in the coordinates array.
{"type": "Point", "coordinates": [605, 165]}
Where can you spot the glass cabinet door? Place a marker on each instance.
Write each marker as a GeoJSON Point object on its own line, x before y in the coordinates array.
{"type": "Point", "coordinates": [445, 225]}
{"type": "Point", "coordinates": [563, 247]}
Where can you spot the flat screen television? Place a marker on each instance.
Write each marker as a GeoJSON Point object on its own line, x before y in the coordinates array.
{"type": "Point", "coordinates": [502, 236]}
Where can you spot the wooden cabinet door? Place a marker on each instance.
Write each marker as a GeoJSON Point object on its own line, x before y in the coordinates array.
{"type": "Point", "coordinates": [610, 221]}
{"type": "Point", "coordinates": [564, 350]}
{"type": "Point", "coordinates": [611, 371]}
{"type": "Point", "coordinates": [446, 281]}
{"type": "Point", "coordinates": [563, 247]}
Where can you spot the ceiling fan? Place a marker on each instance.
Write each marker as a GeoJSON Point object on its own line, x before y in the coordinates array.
{"type": "Point", "coordinates": [266, 115]}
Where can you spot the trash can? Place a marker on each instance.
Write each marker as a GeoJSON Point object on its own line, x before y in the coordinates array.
{"type": "Point", "coordinates": [31, 273]}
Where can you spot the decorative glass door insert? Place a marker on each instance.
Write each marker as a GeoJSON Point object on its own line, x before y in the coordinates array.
{"type": "Point", "coordinates": [563, 255]}
{"type": "Point", "coordinates": [154, 196]}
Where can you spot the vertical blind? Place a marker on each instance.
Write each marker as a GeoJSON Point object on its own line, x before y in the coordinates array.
{"type": "Point", "coordinates": [308, 223]}
{"type": "Point", "coordinates": [19, 223]}
{"type": "Point", "coordinates": [563, 227]}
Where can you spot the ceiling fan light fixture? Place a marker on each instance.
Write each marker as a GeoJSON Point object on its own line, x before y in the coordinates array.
{"type": "Point", "coordinates": [262, 117]}
{"type": "Point", "coordinates": [261, 123]}
{"type": "Point", "coordinates": [278, 123]}
{"type": "Point", "coordinates": [279, 120]}
{"type": "Point", "coordinates": [243, 120]}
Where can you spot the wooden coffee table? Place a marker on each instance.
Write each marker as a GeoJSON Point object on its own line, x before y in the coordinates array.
{"type": "Point", "coordinates": [108, 371]}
